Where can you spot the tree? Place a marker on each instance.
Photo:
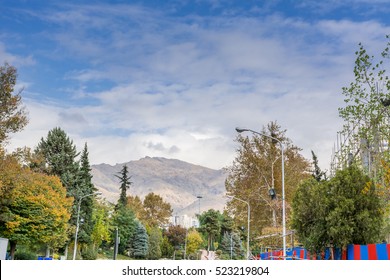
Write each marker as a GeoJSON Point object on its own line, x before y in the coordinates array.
{"type": "Point", "coordinates": [59, 158]}
{"type": "Point", "coordinates": [317, 173]}
{"type": "Point", "coordinates": [194, 242]}
{"type": "Point", "coordinates": [176, 236]}
{"type": "Point", "coordinates": [256, 171]}
{"type": "Point", "coordinates": [366, 113]}
{"type": "Point", "coordinates": [124, 220]}
{"type": "Point", "coordinates": [125, 185]}
{"type": "Point", "coordinates": [344, 210]}
{"type": "Point", "coordinates": [155, 242]}
{"type": "Point", "coordinates": [155, 212]}
{"type": "Point", "coordinates": [85, 187]}
{"type": "Point", "coordinates": [13, 116]}
{"type": "Point", "coordinates": [101, 225]}
{"type": "Point", "coordinates": [210, 224]}
{"type": "Point", "coordinates": [37, 209]}
{"type": "Point", "coordinates": [135, 204]}
{"type": "Point", "coordinates": [231, 246]}
{"type": "Point", "coordinates": [139, 244]}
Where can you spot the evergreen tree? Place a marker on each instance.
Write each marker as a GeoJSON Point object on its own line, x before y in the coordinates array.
{"type": "Point", "coordinates": [231, 246]}
{"type": "Point", "coordinates": [125, 221]}
{"type": "Point", "coordinates": [317, 174]}
{"type": "Point", "coordinates": [140, 242]}
{"type": "Point", "coordinates": [59, 158]}
{"type": "Point", "coordinates": [125, 185]}
{"type": "Point", "coordinates": [85, 187]}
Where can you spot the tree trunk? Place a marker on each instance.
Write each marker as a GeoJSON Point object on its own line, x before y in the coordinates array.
{"type": "Point", "coordinates": [12, 245]}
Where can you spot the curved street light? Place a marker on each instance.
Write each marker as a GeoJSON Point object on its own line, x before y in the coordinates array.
{"type": "Point", "coordinates": [78, 221]}
{"type": "Point", "coordinates": [240, 130]}
{"type": "Point", "coordinates": [249, 219]}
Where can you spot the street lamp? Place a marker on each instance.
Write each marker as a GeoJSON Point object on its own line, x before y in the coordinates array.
{"type": "Point", "coordinates": [249, 219]}
{"type": "Point", "coordinates": [78, 221]}
{"type": "Point", "coordinates": [239, 130]}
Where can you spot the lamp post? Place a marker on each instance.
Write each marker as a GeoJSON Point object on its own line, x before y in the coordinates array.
{"type": "Point", "coordinates": [78, 222]}
{"type": "Point", "coordinates": [240, 130]}
{"type": "Point", "coordinates": [249, 223]}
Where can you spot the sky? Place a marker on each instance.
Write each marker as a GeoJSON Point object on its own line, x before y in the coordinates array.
{"type": "Point", "coordinates": [174, 78]}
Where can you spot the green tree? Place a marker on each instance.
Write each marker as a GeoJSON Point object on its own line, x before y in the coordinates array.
{"type": "Point", "coordinates": [256, 170]}
{"type": "Point", "coordinates": [344, 210]}
{"type": "Point", "coordinates": [155, 242]}
{"type": "Point", "coordinates": [317, 173]}
{"type": "Point", "coordinates": [156, 212]}
{"type": "Point", "coordinates": [125, 182]}
{"type": "Point", "coordinates": [101, 225]}
{"type": "Point", "coordinates": [125, 221]}
{"type": "Point", "coordinates": [85, 187]}
{"type": "Point", "coordinates": [139, 244]}
{"type": "Point", "coordinates": [210, 224]}
{"type": "Point", "coordinates": [366, 113]}
{"type": "Point", "coordinates": [13, 116]}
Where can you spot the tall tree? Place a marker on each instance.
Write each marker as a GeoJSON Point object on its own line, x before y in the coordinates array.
{"type": "Point", "coordinates": [156, 211]}
{"type": "Point", "coordinates": [84, 187]}
{"type": "Point", "coordinates": [13, 116]}
{"type": "Point", "coordinates": [366, 113]}
{"type": "Point", "coordinates": [256, 171]}
{"type": "Point", "coordinates": [125, 182]}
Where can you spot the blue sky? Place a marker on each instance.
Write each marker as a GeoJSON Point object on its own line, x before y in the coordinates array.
{"type": "Point", "coordinates": [174, 78]}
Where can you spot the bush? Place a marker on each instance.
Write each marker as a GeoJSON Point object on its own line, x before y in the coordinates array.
{"type": "Point", "coordinates": [25, 255]}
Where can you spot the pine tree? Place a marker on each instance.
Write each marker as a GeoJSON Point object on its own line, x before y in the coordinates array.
{"type": "Point", "coordinates": [59, 158]}
{"type": "Point", "coordinates": [231, 246]}
{"type": "Point", "coordinates": [125, 185]}
{"type": "Point", "coordinates": [317, 174]}
{"type": "Point", "coordinates": [85, 187]}
{"type": "Point", "coordinates": [140, 242]}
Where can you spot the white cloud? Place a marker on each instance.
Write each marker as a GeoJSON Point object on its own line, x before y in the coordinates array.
{"type": "Point", "coordinates": [181, 86]}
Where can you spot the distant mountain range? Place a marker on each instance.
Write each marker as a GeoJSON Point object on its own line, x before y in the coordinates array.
{"type": "Point", "coordinates": [177, 182]}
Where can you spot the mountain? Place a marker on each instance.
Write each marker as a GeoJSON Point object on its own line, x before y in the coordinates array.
{"type": "Point", "coordinates": [177, 182]}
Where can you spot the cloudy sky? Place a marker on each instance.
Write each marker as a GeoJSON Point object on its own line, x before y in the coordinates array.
{"type": "Point", "coordinates": [174, 78]}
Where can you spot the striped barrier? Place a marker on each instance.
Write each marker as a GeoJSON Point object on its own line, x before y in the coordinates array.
{"type": "Point", "coordinates": [352, 252]}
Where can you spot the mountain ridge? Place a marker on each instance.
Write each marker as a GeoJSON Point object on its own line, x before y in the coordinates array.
{"type": "Point", "coordinates": [178, 182]}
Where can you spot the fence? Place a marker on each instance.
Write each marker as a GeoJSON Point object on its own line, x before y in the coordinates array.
{"type": "Point", "coordinates": [352, 252]}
